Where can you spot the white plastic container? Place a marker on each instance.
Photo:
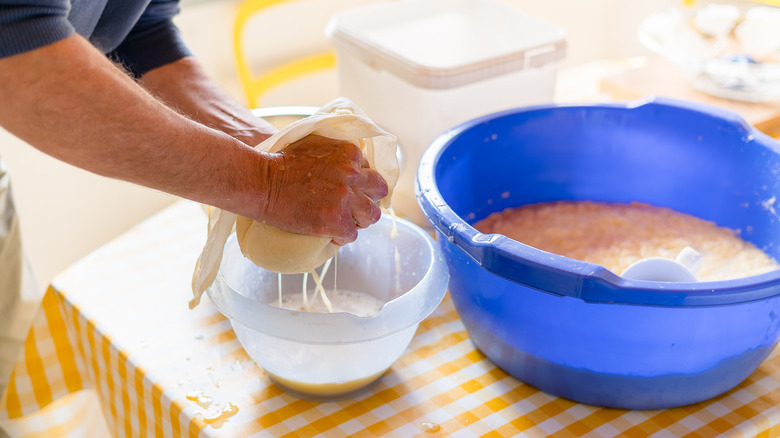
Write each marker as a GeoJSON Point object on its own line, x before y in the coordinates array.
{"type": "Point", "coordinates": [420, 67]}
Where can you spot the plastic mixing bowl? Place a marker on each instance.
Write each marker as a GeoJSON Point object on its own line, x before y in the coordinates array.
{"type": "Point", "coordinates": [575, 329]}
{"type": "Point", "coordinates": [335, 355]}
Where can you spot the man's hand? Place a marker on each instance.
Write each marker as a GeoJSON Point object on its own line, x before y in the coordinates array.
{"type": "Point", "coordinates": [322, 187]}
{"type": "Point", "coordinates": [317, 186]}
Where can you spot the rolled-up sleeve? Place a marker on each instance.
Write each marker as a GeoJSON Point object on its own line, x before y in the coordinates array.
{"type": "Point", "coordinates": [154, 41]}
{"type": "Point", "coordinates": [28, 25]}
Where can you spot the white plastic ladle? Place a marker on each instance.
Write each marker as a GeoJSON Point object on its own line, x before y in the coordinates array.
{"type": "Point", "coordinates": [682, 269]}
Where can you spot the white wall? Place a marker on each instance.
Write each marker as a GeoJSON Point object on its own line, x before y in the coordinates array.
{"type": "Point", "coordinates": [67, 213]}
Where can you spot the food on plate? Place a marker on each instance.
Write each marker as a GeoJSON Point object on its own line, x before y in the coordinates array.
{"type": "Point", "coordinates": [716, 20]}
{"type": "Point", "coordinates": [759, 32]}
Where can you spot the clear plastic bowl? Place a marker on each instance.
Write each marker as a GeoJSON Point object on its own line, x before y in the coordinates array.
{"type": "Point", "coordinates": [575, 329]}
{"type": "Point", "coordinates": [335, 355]}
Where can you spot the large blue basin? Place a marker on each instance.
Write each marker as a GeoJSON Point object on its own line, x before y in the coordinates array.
{"type": "Point", "coordinates": [575, 329]}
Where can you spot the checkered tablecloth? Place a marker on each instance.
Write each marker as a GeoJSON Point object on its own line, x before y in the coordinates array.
{"type": "Point", "coordinates": [117, 325]}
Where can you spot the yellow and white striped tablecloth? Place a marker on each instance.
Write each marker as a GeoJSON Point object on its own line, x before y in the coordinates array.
{"type": "Point", "coordinates": [117, 323]}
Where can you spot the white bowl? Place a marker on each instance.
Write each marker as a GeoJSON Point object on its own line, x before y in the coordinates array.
{"type": "Point", "coordinates": [335, 355]}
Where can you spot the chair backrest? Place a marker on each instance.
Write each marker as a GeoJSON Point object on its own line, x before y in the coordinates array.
{"type": "Point", "coordinates": [256, 85]}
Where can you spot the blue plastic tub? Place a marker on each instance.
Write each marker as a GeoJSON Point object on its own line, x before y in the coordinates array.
{"type": "Point", "coordinates": [575, 329]}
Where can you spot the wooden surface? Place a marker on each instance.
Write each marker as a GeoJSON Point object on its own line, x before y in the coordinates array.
{"type": "Point", "coordinates": [658, 77]}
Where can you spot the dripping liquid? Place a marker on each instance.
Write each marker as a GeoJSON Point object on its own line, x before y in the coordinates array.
{"type": "Point", "coordinates": [362, 304]}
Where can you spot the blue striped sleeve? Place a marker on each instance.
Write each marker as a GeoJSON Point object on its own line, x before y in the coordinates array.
{"type": "Point", "coordinates": [154, 41]}
{"type": "Point", "coordinates": [28, 25]}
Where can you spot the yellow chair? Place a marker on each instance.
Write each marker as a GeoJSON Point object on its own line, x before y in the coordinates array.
{"type": "Point", "coordinates": [256, 86]}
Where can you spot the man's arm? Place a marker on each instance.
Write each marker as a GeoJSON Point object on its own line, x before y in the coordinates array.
{"type": "Point", "coordinates": [185, 86]}
{"type": "Point", "coordinates": [69, 101]}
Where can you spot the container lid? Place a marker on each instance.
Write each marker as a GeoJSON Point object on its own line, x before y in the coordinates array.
{"type": "Point", "coordinates": [446, 43]}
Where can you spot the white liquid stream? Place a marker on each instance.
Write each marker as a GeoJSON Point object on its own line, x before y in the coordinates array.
{"type": "Point", "coordinates": [336, 300]}
{"type": "Point", "coordinates": [356, 303]}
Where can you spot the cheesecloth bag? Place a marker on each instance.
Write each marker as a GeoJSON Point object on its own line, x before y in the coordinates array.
{"type": "Point", "coordinates": [282, 251]}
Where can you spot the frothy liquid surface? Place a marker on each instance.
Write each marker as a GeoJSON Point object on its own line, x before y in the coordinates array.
{"type": "Point", "coordinates": [356, 303]}
{"type": "Point", "coordinates": [616, 235]}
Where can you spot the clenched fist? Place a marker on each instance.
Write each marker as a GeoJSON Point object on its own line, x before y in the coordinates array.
{"type": "Point", "coordinates": [322, 187]}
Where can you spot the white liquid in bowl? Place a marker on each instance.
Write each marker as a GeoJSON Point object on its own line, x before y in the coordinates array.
{"type": "Point", "coordinates": [356, 303]}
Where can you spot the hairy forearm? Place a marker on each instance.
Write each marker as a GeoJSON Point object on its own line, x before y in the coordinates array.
{"type": "Point", "coordinates": [70, 102]}
{"type": "Point", "coordinates": [185, 86]}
